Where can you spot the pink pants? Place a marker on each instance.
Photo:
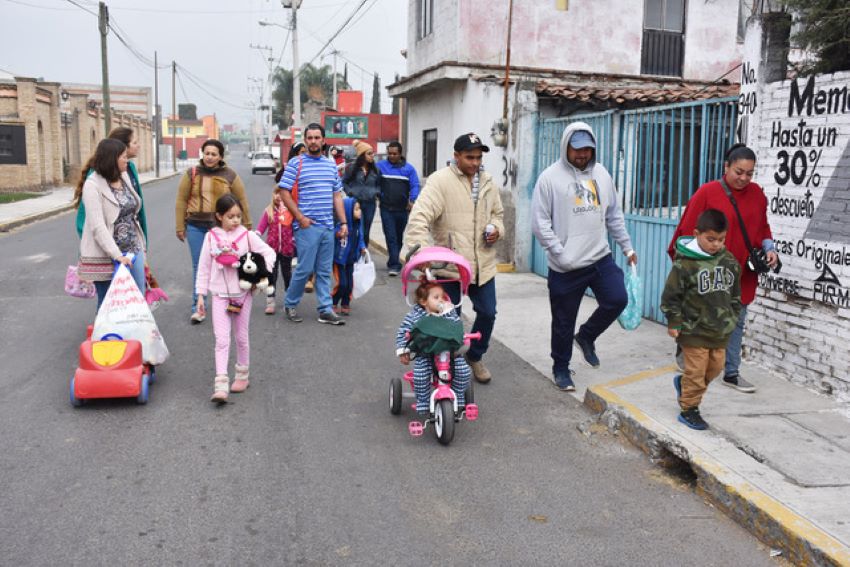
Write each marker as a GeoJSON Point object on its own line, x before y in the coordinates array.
{"type": "Point", "coordinates": [222, 321]}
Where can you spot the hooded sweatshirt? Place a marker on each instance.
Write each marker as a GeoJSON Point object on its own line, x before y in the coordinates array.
{"type": "Point", "coordinates": [573, 211]}
{"type": "Point", "coordinates": [354, 244]}
{"type": "Point", "coordinates": [702, 296]}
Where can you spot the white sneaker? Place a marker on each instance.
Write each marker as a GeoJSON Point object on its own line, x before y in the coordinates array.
{"type": "Point", "coordinates": [196, 318]}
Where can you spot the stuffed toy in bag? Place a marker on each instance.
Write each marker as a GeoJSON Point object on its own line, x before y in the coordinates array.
{"type": "Point", "coordinates": [252, 272]}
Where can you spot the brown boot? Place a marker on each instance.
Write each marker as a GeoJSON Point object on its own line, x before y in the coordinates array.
{"type": "Point", "coordinates": [480, 371]}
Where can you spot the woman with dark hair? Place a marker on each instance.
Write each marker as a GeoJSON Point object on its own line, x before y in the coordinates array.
{"type": "Point", "coordinates": [297, 149]}
{"type": "Point", "coordinates": [199, 189]}
{"type": "Point", "coordinates": [128, 137]}
{"type": "Point", "coordinates": [736, 183]}
{"type": "Point", "coordinates": [111, 228]}
{"type": "Point", "coordinates": [362, 181]}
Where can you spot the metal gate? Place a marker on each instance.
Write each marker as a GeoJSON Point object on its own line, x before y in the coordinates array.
{"type": "Point", "coordinates": [663, 154]}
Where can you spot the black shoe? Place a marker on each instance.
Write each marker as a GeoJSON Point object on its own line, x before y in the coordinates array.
{"type": "Point", "coordinates": [588, 350]}
{"type": "Point", "coordinates": [330, 318]}
{"type": "Point", "coordinates": [739, 384]}
{"type": "Point", "coordinates": [292, 314]}
{"type": "Point", "coordinates": [693, 419]}
{"type": "Point", "coordinates": [564, 380]}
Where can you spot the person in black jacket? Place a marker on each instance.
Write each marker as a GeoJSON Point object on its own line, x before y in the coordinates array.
{"type": "Point", "coordinates": [399, 189]}
{"type": "Point", "coordinates": [361, 181]}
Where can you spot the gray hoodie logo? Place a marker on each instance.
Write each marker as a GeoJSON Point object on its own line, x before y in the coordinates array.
{"type": "Point", "coordinates": [586, 196]}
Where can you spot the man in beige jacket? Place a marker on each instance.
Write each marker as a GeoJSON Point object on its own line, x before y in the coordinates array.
{"type": "Point", "coordinates": [460, 208]}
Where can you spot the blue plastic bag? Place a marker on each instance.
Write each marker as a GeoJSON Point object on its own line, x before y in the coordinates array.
{"type": "Point", "coordinates": [631, 316]}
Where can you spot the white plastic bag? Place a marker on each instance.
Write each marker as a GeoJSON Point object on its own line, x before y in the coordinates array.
{"type": "Point", "coordinates": [364, 275]}
{"type": "Point", "coordinates": [125, 313]}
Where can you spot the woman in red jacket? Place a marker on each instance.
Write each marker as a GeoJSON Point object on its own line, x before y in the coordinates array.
{"type": "Point", "coordinates": [740, 164]}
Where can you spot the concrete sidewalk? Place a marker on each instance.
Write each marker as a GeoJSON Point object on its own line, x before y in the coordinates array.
{"type": "Point", "coordinates": [778, 461]}
{"type": "Point", "coordinates": [53, 202]}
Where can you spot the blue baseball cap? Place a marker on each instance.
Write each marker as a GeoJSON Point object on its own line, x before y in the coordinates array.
{"type": "Point", "coordinates": [582, 139]}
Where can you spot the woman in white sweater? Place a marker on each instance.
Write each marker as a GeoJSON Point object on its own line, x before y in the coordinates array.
{"type": "Point", "coordinates": [112, 228]}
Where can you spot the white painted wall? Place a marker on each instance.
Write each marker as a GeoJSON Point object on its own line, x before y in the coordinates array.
{"type": "Point", "coordinates": [593, 36]}
{"type": "Point", "coordinates": [800, 321]}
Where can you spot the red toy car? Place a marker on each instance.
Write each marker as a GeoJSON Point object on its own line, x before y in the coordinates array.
{"type": "Point", "coordinates": [111, 368]}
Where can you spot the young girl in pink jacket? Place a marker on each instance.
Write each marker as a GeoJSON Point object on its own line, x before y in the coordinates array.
{"type": "Point", "coordinates": [230, 304]}
{"type": "Point", "coordinates": [280, 239]}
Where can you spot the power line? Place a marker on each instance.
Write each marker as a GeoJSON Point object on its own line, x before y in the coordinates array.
{"type": "Point", "coordinates": [82, 7]}
{"type": "Point", "coordinates": [40, 6]}
{"type": "Point", "coordinates": [334, 36]}
{"type": "Point", "coordinates": [191, 79]}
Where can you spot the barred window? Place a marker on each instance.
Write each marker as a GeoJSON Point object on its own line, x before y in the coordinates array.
{"type": "Point", "coordinates": [13, 144]}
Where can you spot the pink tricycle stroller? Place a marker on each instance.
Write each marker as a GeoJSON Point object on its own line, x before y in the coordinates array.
{"type": "Point", "coordinates": [441, 339]}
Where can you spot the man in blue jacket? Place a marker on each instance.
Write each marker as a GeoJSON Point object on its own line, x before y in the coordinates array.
{"type": "Point", "coordinates": [399, 189]}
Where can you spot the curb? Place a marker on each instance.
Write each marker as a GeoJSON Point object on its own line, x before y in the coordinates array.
{"type": "Point", "coordinates": [770, 521]}
{"type": "Point", "coordinates": [13, 224]}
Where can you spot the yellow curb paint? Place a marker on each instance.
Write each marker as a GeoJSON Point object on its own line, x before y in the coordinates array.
{"type": "Point", "coordinates": [792, 523]}
{"type": "Point", "coordinates": [505, 268]}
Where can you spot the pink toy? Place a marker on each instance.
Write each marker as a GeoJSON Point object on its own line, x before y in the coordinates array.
{"type": "Point", "coordinates": [443, 411]}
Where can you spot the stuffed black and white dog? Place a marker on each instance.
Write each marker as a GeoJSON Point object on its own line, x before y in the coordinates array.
{"type": "Point", "coordinates": [253, 272]}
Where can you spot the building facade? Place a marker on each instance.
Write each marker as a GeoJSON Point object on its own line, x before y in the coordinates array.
{"type": "Point", "coordinates": [566, 57]}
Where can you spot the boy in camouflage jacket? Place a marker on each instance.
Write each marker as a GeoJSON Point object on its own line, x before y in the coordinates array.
{"type": "Point", "coordinates": [702, 300]}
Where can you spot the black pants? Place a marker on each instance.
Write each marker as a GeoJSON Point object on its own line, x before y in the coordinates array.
{"type": "Point", "coordinates": [282, 264]}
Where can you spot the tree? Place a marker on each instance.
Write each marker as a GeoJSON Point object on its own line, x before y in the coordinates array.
{"type": "Point", "coordinates": [317, 81]}
{"type": "Point", "coordinates": [376, 95]}
{"type": "Point", "coordinates": [824, 31]}
{"type": "Point", "coordinates": [187, 111]}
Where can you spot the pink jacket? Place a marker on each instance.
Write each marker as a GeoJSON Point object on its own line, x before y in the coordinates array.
{"type": "Point", "coordinates": [280, 237]}
{"type": "Point", "coordinates": [223, 280]}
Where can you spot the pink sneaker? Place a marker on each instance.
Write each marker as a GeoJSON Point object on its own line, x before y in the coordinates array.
{"type": "Point", "coordinates": [240, 383]}
{"type": "Point", "coordinates": [221, 389]}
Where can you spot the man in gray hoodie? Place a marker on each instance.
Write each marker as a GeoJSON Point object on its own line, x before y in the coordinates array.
{"type": "Point", "coordinates": [573, 210]}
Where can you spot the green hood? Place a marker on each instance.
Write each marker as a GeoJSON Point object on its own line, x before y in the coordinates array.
{"type": "Point", "coordinates": [682, 249]}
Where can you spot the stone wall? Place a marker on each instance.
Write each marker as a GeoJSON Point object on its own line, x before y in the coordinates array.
{"type": "Point", "coordinates": [54, 136]}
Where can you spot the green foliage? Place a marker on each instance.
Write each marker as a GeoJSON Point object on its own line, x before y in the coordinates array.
{"type": "Point", "coordinates": [13, 197]}
{"type": "Point", "coordinates": [316, 80]}
{"type": "Point", "coordinates": [187, 112]}
{"type": "Point", "coordinates": [396, 99]}
{"type": "Point", "coordinates": [824, 31]}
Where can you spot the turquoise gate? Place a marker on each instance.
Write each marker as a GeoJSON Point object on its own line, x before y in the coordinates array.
{"type": "Point", "coordinates": [658, 157]}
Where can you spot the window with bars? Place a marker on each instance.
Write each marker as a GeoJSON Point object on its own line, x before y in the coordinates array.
{"type": "Point", "coordinates": [429, 152]}
{"type": "Point", "coordinates": [663, 51]}
{"type": "Point", "coordinates": [425, 18]}
{"type": "Point", "coordinates": [13, 144]}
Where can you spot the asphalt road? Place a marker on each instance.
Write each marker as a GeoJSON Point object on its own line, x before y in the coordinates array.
{"type": "Point", "coordinates": [308, 466]}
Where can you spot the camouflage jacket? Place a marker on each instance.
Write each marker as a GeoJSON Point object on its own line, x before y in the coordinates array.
{"type": "Point", "coordinates": [702, 296]}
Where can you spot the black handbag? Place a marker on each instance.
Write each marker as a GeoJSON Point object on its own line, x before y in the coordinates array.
{"type": "Point", "coordinates": [757, 257]}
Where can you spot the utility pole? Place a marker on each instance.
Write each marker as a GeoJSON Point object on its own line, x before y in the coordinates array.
{"type": "Point", "coordinates": [157, 118]}
{"type": "Point", "coordinates": [103, 25]}
{"type": "Point", "coordinates": [334, 53]}
{"type": "Point", "coordinates": [270, 59]}
{"type": "Point", "coordinates": [296, 71]}
{"type": "Point", "coordinates": [171, 120]}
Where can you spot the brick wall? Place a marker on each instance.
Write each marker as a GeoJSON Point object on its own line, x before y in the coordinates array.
{"type": "Point", "coordinates": [800, 322]}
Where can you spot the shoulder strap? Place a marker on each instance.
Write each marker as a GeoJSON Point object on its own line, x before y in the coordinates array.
{"type": "Point", "coordinates": [728, 192]}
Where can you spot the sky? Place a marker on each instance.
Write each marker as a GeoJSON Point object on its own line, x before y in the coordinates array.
{"type": "Point", "coordinates": [59, 41]}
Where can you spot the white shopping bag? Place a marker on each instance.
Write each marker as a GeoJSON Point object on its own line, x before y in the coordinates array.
{"type": "Point", "coordinates": [364, 275]}
{"type": "Point", "coordinates": [125, 313]}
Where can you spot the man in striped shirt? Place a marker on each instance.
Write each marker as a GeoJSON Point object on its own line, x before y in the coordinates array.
{"type": "Point", "coordinates": [319, 197]}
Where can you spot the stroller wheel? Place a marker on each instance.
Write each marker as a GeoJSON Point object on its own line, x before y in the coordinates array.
{"type": "Point", "coordinates": [444, 421]}
{"type": "Point", "coordinates": [395, 396]}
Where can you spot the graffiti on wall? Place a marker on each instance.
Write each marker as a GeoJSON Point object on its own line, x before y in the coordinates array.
{"type": "Point", "coordinates": [808, 190]}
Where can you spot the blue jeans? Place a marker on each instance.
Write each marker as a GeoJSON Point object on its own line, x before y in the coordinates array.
{"type": "Point", "coordinates": [394, 223]}
{"type": "Point", "coordinates": [483, 299]}
{"type": "Point", "coordinates": [566, 291]}
{"type": "Point", "coordinates": [315, 254]}
{"type": "Point", "coordinates": [195, 237]}
{"type": "Point", "coordinates": [367, 212]}
{"type": "Point", "coordinates": [733, 348]}
{"type": "Point", "coordinates": [137, 270]}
